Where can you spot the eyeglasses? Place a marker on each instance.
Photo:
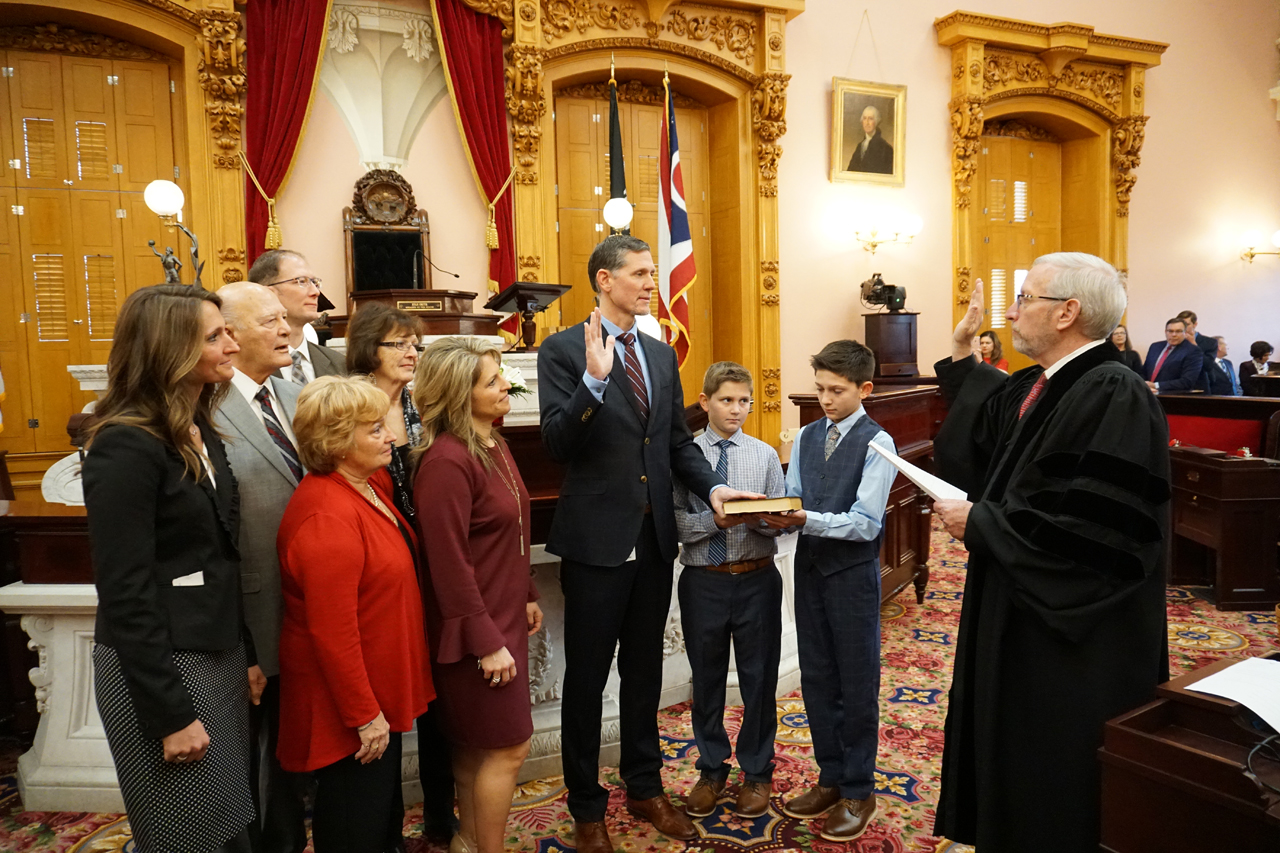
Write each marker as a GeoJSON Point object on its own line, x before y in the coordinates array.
{"type": "Point", "coordinates": [302, 282]}
{"type": "Point", "coordinates": [403, 346]}
{"type": "Point", "coordinates": [1023, 298]}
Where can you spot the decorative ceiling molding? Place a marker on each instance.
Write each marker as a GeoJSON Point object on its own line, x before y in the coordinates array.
{"type": "Point", "coordinates": [673, 47]}
{"type": "Point", "coordinates": [56, 38]}
{"type": "Point", "coordinates": [347, 19]}
{"type": "Point", "coordinates": [633, 91]}
{"type": "Point", "coordinates": [1017, 129]}
{"type": "Point", "coordinates": [1059, 43]}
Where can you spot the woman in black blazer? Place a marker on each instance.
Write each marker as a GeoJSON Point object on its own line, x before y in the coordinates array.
{"type": "Point", "coordinates": [1259, 364]}
{"type": "Point", "coordinates": [171, 654]}
{"type": "Point", "coordinates": [1120, 339]}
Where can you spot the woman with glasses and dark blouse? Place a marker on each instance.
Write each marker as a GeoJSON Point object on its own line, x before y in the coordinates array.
{"type": "Point", "coordinates": [383, 343]}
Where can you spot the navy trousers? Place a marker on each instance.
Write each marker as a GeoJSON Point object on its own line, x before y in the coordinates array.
{"type": "Point", "coordinates": [838, 635]}
{"type": "Point", "coordinates": [608, 607]}
{"type": "Point", "coordinates": [746, 609]}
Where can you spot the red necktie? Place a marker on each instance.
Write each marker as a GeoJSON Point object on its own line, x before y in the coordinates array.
{"type": "Point", "coordinates": [1035, 392]}
{"type": "Point", "coordinates": [1156, 373]}
{"type": "Point", "coordinates": [634, 372]}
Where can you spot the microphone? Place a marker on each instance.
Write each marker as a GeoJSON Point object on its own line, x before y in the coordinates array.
{"type": "Point", "coordinates": [420, 254]}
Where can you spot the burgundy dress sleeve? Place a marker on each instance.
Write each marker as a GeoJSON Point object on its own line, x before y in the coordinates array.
{"type": "Point", "coordinates": [444, 491]}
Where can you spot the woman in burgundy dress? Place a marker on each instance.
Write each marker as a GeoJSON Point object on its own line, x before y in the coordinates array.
{"type": "Point", "coordinates": [479, 596]}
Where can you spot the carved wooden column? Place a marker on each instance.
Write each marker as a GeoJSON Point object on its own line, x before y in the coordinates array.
{"type": "Point", "coordinates": [769, 121]}
{"type": "Point", "coordinates": [219, 214]}
{"type": "Point", "coordinates": [966, 132]}
{"type": "Point", "coordinates": [1126, 147]}
{"type": "Point", "coordinates": [527, 106]}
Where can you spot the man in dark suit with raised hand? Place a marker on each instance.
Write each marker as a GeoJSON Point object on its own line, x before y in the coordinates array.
{"type": "Point", "coordinates": [613, 413]}
{"type": "Point", "coordinates": [256, 420]}
{"type": "Point", "coordinates": [289, 275]}
{"type": "Point", "coordinates": [1174, 365]}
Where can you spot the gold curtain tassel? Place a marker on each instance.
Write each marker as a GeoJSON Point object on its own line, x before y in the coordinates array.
{"type": "Point", "coordinates": [491, 231]}
{"type": "Point", "coordinates": [274, 239]}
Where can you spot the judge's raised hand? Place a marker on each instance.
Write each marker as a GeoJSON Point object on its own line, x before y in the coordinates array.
{"type": "Point", "coordinates": [954, 515]}
{"type": "Point", "coordinates": [599, 349]}
{"type": "Point", "coordinates": [970, 324]}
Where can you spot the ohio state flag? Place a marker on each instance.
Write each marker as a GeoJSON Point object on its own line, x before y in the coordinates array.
{"type": "Point", "coordinates": [676, 269]}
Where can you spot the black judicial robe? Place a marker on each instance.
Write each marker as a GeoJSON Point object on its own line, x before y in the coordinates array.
{"type": "Point", "coordinates": [1063, 622]}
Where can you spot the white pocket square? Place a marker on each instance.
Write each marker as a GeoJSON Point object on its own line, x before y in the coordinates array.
{"type": "Point", "coordinates": [193, 579]}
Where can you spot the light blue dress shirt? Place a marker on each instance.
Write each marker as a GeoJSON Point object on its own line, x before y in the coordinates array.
{"type": "Point", "coordinates": [864, 519]}
{"type": "Point", "coordinates": [597, 386]}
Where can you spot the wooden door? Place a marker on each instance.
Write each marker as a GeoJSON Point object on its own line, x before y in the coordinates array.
{"type": "Point", "coordinates": [579, 193]}
{"type": "Point", "coordinates": [48, 282]}
{"type": "Point", "coordinates": [144, 134]}
{"type": "Point", "coordinates": [16, 436]}
{"type": "Point", "coordinates": [39, 124]}
{"type": "Point", "coordinates": [90, 120]}
{"type": "Point", "coordinates": [97, 264]}
{"type": "Point", "coordinates": [1019, 196]}
{"type": "Point", "coordinates": [8, 171]}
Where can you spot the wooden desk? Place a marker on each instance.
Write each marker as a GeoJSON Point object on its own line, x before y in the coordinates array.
{"type": "Point", "coordinates": [1174, 777]}
{"type": "Point", "coordinates": [912, 415]}
{"type": "Point", "coordinates": [1225, 423]}
{"type": "Point", "coordinates": [1226, 522]}
{"type": "Point", "coordinates": [1266, 386]}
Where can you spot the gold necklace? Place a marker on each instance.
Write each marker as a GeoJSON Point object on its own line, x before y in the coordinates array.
{"type": "Point", "coordinates": [515, 493]}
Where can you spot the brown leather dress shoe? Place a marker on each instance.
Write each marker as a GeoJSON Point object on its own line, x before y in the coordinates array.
{"type": "Point", "coordinates": [849, 819]}
{"type": "Point", "coordinates": [701, 801]}
{"type": "Point", "coordinates": [592, 837]}
{"type": "Point", "coordinates": [753, 799]}
{"type": "Point", "coordinates": [814, 802]}
{"type": "Point", "coordinates": [659, 812]}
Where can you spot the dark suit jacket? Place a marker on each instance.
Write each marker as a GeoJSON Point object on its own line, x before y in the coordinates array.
{"type": "Point", "coordinates": [615, 465]}
{"type": "Point", "coordinates": [1133, 361]}
{"type": "Point", "coordinates": [878, 159]}
{"type": "Point", "coordinates": [1180, 371]}
{"type": "Point", "coordinates": [149, 525]}
{"type": "Point", "coordinates": [327, 362]}
{"type": "Point", "coordinates": [1219, 380]}
{"type": "Point", "coordinates": [266, 485]}
{"type": "Point", "coordinates": [1248, 381]}
{"type": "Point", "coordinates": [1209, 365]}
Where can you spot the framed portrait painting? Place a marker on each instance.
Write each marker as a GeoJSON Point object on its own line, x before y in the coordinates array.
{"type": "Point", "coordinates": [868, 132]}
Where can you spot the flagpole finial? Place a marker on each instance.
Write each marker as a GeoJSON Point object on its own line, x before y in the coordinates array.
{"type": "Point", "coordinates": [611, 80]}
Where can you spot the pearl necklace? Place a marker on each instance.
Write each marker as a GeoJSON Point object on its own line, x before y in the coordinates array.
{"type": "Point", "coordinates": [373, 498]}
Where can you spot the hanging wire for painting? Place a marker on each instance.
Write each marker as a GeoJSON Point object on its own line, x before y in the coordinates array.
{"type": "Point", "coordinates": [866, 20]}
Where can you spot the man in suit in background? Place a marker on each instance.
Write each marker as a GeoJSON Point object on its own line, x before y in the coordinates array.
{"type": "Point", "coordinates": [872, 153]}
{"type": "Point", "coordinates": [1224, 381]}
{"type": "Point", "coordinates": [1208, 350]}
{"type": "Point", "coordinates": [256, 419]}
{"type": "Point", "coordinates": [1174, 365]}
{"type": "Point", "coordinates": [288, 274]}
{"type": "Point", "coordinates": [614, 415]}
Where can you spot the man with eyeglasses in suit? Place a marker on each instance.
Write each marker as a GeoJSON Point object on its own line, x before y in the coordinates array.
{"type": "Point", "coordinates": [289, 276]}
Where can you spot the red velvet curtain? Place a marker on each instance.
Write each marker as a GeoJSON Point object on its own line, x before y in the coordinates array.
{"type": "Point", "coordinates": [283, 43]}
{"type": "Point", "coordinates": [472, 45]}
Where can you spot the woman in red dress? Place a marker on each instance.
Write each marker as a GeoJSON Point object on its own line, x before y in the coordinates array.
{"type": "Point", "coordinates": [479, 596]}
{"type": "Point", "coordinates": [990, 351]}
{"type": "Point", "coordinates": [353, 657]}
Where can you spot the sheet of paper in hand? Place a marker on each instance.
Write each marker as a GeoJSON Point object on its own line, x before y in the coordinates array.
{"type": "Point", "coordinates": [935, 487]}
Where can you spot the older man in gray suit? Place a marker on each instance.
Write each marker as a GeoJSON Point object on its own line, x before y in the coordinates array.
{"type": "Point", "coordinates": [256, 418]}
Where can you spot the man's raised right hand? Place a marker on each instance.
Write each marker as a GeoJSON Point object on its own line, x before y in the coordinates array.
{"type": "Point", "coordinates": [599, 353]}
{"type": "Point", "coordinates": [970, 324]}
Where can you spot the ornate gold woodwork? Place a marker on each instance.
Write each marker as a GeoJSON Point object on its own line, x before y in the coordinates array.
{"type": "Point", "coordinates": [632, 91]}
{"type": "Point", "coordinates": [731, 57]}
{"type": "Point", "coordinates": [59, 39]}
{"type": "Point", "coordinates": [1081, 85]}
{"type": "Point", "coordinates": [201, 41]}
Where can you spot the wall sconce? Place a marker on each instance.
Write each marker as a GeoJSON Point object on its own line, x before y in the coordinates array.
{"type": "Point", "coordinates": [165, 200]}
{"type": "Point", "coordinates": [1253, 238]}
{"type": "Point", "coordinates": [901, 228]}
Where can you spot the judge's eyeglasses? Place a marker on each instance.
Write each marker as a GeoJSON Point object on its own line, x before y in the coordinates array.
{"type": "Point", "coordinates": [1023, 298]}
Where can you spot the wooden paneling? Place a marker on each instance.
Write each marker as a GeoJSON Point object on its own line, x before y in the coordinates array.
{"type": "Point", "coordinates": [98, 264]}
{"type": "Point", "coordinates": [144, 134]}
{"type": "Point", "coordinates": [90, 120]}
{"type": "Point", "coordinates": [16, 436]}
{"type": "Point", "coordinates": [39, 125]}
{"type": "Point", "coordinates": [8, 173]}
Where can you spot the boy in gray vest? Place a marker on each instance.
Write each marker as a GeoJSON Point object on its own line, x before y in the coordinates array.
{"type": "Point", "coordinates": [731, 591]}
{"type": "Point", "coordinates": [844, 488]}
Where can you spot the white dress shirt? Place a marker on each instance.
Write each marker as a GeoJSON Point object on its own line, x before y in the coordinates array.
{"type": "Point", "coordinates": [249, 390]}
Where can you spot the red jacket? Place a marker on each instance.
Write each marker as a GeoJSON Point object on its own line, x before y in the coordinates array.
{"type": "Point", "coordinates": [352, 641]}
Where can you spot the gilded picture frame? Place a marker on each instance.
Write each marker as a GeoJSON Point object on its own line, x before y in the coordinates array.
{"type": "Point", "coordinates": [859, 155]}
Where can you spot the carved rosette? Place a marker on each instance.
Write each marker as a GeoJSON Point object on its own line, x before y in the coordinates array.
{"type": "Point", "coordinates": [1126, 148]}
{"type": "Point", "coordinates": [966, 130]}
{"type": "Point", "coordinates": [222, 75]}
{"type": "Point", "coordinates": [769, 119]}
{"type": "Point", "coordinates": [231, 255]}
{"type": "Point", "coordinates": [529, 266]}
{"type": "Point", "coordinates": [962, 285]}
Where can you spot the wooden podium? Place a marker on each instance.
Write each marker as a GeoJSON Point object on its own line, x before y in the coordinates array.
{"type": "Point", "coordinates": [439, 312]}
{"type": "Point", "coordinates": [892, 337]}
{"type": "Point", "coordinates": [1174, 778]}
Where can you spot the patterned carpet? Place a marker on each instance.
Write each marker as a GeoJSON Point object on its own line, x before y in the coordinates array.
{"type": "Point", "coordinates": [917, 657]}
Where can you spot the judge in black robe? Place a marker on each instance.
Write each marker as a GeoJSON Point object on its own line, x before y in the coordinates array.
{"type": "Point", "coordinates": [1063, 623]}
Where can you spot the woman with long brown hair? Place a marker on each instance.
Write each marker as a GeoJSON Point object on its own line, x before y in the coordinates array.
{"type": "Point", "coordinates": [479, 596]}
{"type": "Point", "coordinates": [171, 652]}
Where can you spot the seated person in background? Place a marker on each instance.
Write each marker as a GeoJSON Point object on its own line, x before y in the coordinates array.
{"type": "Point", "coordinates": [730, 591]}
{"type": "Point", "coordinates": [1223, 381]}
{"type": "Point", "coordinates": [1174, 365]}
{"type": "Point", "coordinates": [354, 670]}
{"type": "Point", "coordinates": [845, 488]}
{"type": "Point", "coordinates": [1260, 365]}
{"type": "Point", "coordinates": [991, 352]}
{"type": "Point", "coordinates": [1120, 340]}
{"type": "Point", "coordinates": [1208, 349]}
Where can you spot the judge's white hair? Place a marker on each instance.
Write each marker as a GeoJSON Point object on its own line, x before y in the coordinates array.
{"type": "Point", "coordinates": [1099, 286]}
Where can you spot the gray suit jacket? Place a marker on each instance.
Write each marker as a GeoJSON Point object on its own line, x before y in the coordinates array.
{"type": "Point", "coordinates": [266, 484]}
{"type": "Point", "coordinates": [327, 362]}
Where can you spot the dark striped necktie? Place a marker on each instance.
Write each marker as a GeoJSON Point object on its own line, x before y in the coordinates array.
{"type": "Point", "coordinates": [635, 374]}
{"type": "Point", "coordinates": [718, 548]}
{"type": "Point", "coordinates": [276, 431]}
